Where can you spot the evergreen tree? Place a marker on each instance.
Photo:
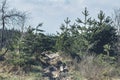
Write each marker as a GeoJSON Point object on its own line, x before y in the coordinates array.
{"type": "Point", "coordinates": [103, 33]}
{"type": "Point", "coordinates": [63, 42]}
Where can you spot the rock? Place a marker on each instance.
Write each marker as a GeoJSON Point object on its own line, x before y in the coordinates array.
{"type": "Point", "coordinates": [61, 68]}
{"type": "Point", "coordinates": [65, 68]}
{"type": "Point", "coordinates": [55, 74]}
{"type": "Point", "coordinates": [46, 70]}
{"type": "Point", "coordinates": [53, 68]}
{"type": "Point", "coordinates": [1, 70]}
{"type": "Point", "coordinates": [56, 68]}
{"type": "Point", "coordinates": [52, 56]}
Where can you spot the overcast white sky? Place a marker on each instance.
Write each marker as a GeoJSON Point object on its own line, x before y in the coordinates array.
{"type": "Point", "coordinates": [53, 12]}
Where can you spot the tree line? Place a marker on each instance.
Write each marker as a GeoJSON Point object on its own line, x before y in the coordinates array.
{"type": "Point", "coordinates": [85, 36]}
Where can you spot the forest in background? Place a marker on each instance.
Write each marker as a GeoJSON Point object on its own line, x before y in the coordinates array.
{"type": "Point", "coordinates": [91, 45]}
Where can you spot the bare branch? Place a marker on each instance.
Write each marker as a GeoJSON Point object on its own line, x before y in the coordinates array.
{"type": "Point", "coordinates": [10, 16]}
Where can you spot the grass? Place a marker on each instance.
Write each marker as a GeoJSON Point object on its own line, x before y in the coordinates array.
{"type": "Point", "coordinates": [34, 74]}
{"type": "Point", "coordinates": [31, 76]}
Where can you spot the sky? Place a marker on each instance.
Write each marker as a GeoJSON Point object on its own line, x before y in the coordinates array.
{"type": "Point", "coordinates": [53, 12]}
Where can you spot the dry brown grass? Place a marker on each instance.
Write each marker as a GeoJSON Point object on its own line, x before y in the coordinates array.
{"type": "Point", "coordinates": [92, 70]}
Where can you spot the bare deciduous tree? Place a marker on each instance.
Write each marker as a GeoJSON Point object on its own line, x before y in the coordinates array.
{"type": "Point", "coordinates": [8, 17]}
{"type": "Point", "coordinates": [116, 18]}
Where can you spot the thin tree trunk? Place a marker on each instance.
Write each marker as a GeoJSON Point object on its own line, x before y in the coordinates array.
{"type": "Point", "coordinates": [2, 34]}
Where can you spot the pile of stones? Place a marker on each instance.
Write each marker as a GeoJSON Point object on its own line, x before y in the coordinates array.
{"type": "Point", "coordinates": [56, 69]}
